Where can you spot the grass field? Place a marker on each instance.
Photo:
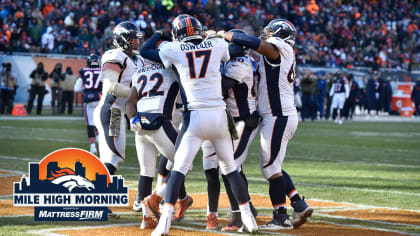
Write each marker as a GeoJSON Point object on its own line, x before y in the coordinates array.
{"type": "Point", "coordinates": [366, 165]}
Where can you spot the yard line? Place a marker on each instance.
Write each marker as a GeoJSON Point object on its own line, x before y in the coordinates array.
{"type": "Point", "coordinates": [315, 158]}
{"type": "Point", "coordinates": [365, 220]}
{"type": "Point", "coordinates": [17, 158]}
{"type": "Point", "coordinates": [51, 140]}
{"type": "Point", "coordinates": [58, 118]}
{"type": "Point", "coordinates": [14, 172]}
{"type": "Point", "coordinates": [364, 227]}
{"type": "Point", "coordinates": [341, 187]}
{"type": "Point", "coordinates": [49, 232]}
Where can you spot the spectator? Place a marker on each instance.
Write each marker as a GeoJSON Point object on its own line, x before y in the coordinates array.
{"type": "Point", "coordinates": [8, 88]}
{"type": "Point", "coordinates": [308, 87]}
{"type": "Point", "coordinates": [57, 78]}
{"type": "Point", "coordinates": [415, 96]}
{"type": "Point", "coordinates": [68, 91]}
{"type": "Point", "coordinates": [38, 76]}
{"type": "Point", "coordinates": [48, 40]}
{"type": "Point", "coordinates": [330, 33]}
{"type": "Point", "coordinates": [322, 91]}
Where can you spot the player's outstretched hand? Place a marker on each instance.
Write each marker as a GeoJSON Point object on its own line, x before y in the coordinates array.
{"type": "Point", "coordinates": [213, 34]}
{"type": "Point", "coordinates": [135, 124]}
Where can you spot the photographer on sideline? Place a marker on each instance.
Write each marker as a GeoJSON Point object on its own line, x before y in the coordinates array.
{"type": "Point", "coordinates": [57, 77]}
{"type": "Point", "coordinates": [38, 76]}
{"type": "Point", "coordinates": [8, 88]}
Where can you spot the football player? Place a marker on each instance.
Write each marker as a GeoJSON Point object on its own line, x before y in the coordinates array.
{"type": "Point", "coordinates": [118, 67]}
{"type": "Point", "coordinates": [90, 85]}
{"type": "Point", "coordinates": [279, 115]}
{"type": "Point", "coordinates": [339, 92]}
{"type": "Point", "coordinates": [197, 61]}
{"type": "Point", "coordinates": [150, 107]}
{"type": "Point", "coordinates": [238, 84]}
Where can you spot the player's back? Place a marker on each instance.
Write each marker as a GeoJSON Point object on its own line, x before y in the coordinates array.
{"type": "Point", "coordinates": [157, 89]}
{"type": "Point", "coordinates": [275, 87]}
{"type": "Point", "coordinates": [92, 84]}
{"type": "Point", "coordinates": [241, 100]}
{"type": "Point", "coordinates": [198, 66]}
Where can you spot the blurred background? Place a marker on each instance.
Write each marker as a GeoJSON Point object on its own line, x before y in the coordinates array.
{"type": "Point", "coordinates": [376, 41]}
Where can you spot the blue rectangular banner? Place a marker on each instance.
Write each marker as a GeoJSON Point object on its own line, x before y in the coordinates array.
{"type": "Point", "coordinates": [71, 213]}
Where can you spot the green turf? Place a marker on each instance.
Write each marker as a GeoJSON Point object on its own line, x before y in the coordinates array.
{"type": "Point", "coordinates": [366, 163]}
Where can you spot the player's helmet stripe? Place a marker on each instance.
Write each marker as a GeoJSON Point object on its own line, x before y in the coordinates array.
{"type": "Point", "coordinates": [188, 24]}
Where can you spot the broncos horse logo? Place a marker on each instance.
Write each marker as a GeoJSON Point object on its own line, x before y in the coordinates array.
{"type": "Point", "coordinates": [68, 179]}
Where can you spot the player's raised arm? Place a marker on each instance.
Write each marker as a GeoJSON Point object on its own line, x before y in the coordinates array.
{"type": "Point", "coordinates": [278, 34]}
{"type": "Point", "coordinates": [261, 46]}
{"type": "Point", "coordinates": [149, 50]}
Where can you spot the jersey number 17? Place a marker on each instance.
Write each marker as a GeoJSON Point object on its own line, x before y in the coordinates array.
{"type": "Point", "coordinates": [191, 56]}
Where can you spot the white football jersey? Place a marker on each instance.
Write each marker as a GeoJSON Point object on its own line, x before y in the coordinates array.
{"type": "Point", "coordinates": [275, 87]}
{"type": "Point", "coordinates": [241, 100]}
{"type": "Point", "coordinates": [129, 66]}
{"type": "Point", "coordinates": [157, 89]}
{"type": "Point", "coordinates": [198, 67]}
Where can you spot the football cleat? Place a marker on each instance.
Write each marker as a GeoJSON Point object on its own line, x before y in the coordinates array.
{"type": "Point", "coordinates": [137, 207]}
{"type": "Point", "coordinates": [113, 214]}
{"type": "Point", "coordinates": [147, 223]}
{"type": "Point", "coordinates": [236, 223]}
{"type": "Point", "coordinates": [279, 221]}
{"type": "Point", "coordinates": [182, 208]}
{"type": "Point", "coordinates": [152, 203]}
{"type": "Point", "coordinates": [211, 221]}
{"type": "Point", "coordinates": [302, 212]}
{"type": "Point", "coordinates": [164, 224]}
{"type": "Point", "coordinates": [248, 220]}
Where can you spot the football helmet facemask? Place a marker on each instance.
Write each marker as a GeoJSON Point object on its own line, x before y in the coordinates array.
{"type": "Point", "coordinates": [185, 28]}
{"type": "Point", "coordinates": [280, 28]}
{"type": "Point", "coordinates": [123, 34]}
{"type": "Point", "coordinates": [93, 61]}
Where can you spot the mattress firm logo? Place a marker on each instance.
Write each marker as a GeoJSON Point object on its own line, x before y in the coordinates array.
{"type": "Point", "coordinates": [70, 185]}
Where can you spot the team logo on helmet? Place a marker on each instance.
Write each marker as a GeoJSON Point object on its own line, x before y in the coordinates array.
{"type": "Point", "coordinates": [281, 28]}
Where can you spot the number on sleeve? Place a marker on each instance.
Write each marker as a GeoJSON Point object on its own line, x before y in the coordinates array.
{"type": "Point", "coordinates": [291, 75]}
{"type": "Point", "coordinates": [204, 65]}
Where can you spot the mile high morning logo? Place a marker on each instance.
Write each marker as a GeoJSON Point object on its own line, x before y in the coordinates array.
{"type": "Point", "coordinates": [70, 185]}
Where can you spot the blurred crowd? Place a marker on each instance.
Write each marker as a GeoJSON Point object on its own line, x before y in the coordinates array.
{"type": "Point", "coordinates": [339, 33]}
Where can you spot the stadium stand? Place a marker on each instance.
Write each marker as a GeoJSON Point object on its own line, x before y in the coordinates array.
{"type": "Point", "coordinates": [377, 34]}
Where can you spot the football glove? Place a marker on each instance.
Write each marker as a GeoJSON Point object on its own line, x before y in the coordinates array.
{"type": "Point", "coordinates": [135, 124]}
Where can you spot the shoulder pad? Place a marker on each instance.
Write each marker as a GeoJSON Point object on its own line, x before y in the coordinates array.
{"type": "Point", "coordinates": [113, 56]}
{"type": "Point", "coordinates": [279, 43]}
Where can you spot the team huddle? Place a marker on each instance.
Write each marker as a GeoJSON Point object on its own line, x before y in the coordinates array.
{"type": "Point", "coordinates": [198, 89]}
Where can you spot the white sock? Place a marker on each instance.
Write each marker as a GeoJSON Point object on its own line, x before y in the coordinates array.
{"type": "Point", "coordinates": [162, 191]}
{"type": "Point", "coordinates": [168, 209]}
{"type": "Point", "coordinates": [92, 146]}
{"type": "Point", "coordinates": [244, 208]}
{"type": "Point", "coordinates": [146, 212]}
{"type": "Point", "coordinates": [209, 212]}
{"type": "Point", "coordinates": [160, 181]}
